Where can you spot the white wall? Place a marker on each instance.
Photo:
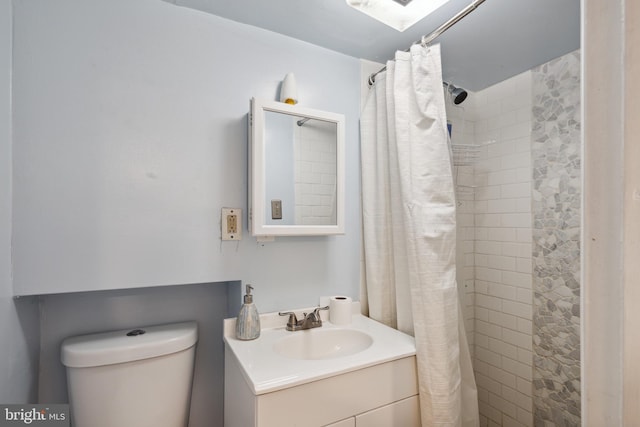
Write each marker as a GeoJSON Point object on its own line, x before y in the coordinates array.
{"type": "Point", "coordinates": [607, 241]}
{"type": "Point", "coordinates": [18, 318]}
{"type": "Point", "coordinates": [130, 135]}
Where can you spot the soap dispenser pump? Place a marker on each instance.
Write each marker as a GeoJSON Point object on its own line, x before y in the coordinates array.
{"type": "Point", "coordinates": [248, 321]}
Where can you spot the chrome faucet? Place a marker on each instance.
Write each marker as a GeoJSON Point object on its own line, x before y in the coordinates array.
{"type": "Point", "coordinates": [309, 321]}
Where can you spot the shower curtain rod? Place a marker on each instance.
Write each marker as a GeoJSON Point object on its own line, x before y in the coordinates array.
{"type": "Point", "coordinates": [425, 40]}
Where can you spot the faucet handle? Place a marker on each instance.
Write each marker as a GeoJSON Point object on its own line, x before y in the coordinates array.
{"type": "Point", "coordinates": [316, 312]}
{"type": "Point", "coordinates": [293, 320]}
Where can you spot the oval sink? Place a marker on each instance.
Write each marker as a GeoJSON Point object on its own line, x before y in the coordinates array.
{"type": "Point", "coordinates": [314, 344]}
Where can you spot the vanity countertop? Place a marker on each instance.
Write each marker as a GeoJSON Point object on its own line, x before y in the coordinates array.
{"type": "Point", "coordinates": [266, 371]}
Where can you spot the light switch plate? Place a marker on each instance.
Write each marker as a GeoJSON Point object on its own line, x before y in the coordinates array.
{"type": "Point", "coordinates": [231, 224]}
{"type": "Point", "coordinates": [276, 209]}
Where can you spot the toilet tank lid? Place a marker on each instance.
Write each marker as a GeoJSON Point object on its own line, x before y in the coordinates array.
{"type": "Point", "coordinates": [128, 345]}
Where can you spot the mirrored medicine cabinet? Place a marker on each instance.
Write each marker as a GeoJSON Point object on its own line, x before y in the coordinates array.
{"type": "Point", "coordinates": [296, 170]}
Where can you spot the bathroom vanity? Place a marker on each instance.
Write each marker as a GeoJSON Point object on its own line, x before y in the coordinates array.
{"type": "Point", "coordinates": [363, 374]}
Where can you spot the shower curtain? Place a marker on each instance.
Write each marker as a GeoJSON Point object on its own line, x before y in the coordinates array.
{"type": "Point", "coordinates": [409, 230]}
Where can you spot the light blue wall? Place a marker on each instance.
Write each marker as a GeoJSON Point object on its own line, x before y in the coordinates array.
{"type": "Point", "coordinates": [18, 318]}
{"type": "Point", "coordinates": [130, 136]}
{"type": "Point", "coordinates": [67, 315]}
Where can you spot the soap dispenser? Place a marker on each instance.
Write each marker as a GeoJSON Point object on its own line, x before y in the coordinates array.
{"type": "Point", "coordinates": [248, 321]}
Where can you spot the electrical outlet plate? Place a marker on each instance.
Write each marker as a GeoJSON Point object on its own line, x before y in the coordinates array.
{"type": "Point", "coordinates": [231, 224]}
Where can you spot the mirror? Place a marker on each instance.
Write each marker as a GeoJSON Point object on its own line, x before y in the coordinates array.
{"type": "Point", "coordinates": [296, 170]}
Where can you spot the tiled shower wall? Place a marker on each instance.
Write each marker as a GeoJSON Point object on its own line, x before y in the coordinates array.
{"type": "Point", "coordinates": [503, 295]}
{"type": "Point", "coordinates": [497, 238]}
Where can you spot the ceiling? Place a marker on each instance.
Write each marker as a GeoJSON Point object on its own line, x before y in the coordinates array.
{"type": "Point", "coordinates": [500, 39]}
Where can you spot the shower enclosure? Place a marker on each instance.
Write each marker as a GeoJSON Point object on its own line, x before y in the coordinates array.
{"type": "Point", "coordinates": [516, 150]}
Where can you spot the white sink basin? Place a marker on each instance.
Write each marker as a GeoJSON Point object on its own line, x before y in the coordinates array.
{"type": "Point", "coordinates": [315, 344]}
{"type": "Point", "coordinates": [281, 359]}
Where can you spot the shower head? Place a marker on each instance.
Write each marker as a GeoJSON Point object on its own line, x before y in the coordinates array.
{"type": "Point", "coordinates": [457, 94]}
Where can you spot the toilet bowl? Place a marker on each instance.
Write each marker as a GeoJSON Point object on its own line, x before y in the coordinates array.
{"type": "Point", "coordinates": [134, 378]}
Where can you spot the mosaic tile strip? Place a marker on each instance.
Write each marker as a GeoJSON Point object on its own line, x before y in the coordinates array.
{"type": "Point", "coordinates": [556, 242]}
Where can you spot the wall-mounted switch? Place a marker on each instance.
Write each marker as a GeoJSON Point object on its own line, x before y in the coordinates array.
{"type": "Point", "coordinates": [276, 209]}
{"type": "Point", "coordinates": [231, 224]}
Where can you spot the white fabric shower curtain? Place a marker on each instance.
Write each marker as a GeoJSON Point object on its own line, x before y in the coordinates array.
{"type": "Point", "coordinates": [409, 230]}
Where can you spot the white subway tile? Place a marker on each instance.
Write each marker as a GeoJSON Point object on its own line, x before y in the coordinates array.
{"type": "Point", "coordinates": [525, 417]}
{"type": "Point", "coordinates": [523, 112]}
{"type": "Point", "coordinates": [503, 120]}
{"type": "Point", "coordinates": [507, 421]}
{"type": "Point", "coordinates": [502, 177]}
{"type": "Point", "coordinates": [488, 329]}
{"type": "Point", "coordinates": [501, 262]}
{"type": "Point", "coordinates": [501, 205]}
{"type": "Point", "coordinates": [515, 131]}
{"type": "Point", "coordinates": [469, 260]}
{"type": "Point", "coordinates": [482, 314]}
{"type": "Point", "coordinates": [517, 309]}
{"type": "Point", "coordinates": [488, 193]}
{"type": "Point", "coordinates": [482, 287]}
{"type": "Point", "coordinates": [487, 356]}
{"type": "Point", "coordinates": [499, 234]}
{"type": "Point", "coordinates": [513, 278]}
{"type": "Point", "coordinates": [514, 161]}
{"type": "Point", "coordinates": [480, 206]}
{"type": "Point", "coordinates": [523, 205]}
{"type": "Point", "coordinates": [514, 190]}
{"type": "Point", "coordinates": [525, 356]}
{"type": "Point", "coordinates": [503, 405]}
{"type": "Point", "coordinates": [465, 219]}
{"type": "Point", "coordinates": [489, 274]}
{"type": "Point", "coordinates": [481, 340]}
{"type": "Point", "coordinates": [488, 220]}
{"type": "Point", "coordinates": [525, 326]}
{"type": "Point", "coordinates": [525, 387]}
{"type": "Point", "coordinates": [489, 248]}
{"type": "Point", "coordinates": [504, 349]}
{"type": "Point", "coordinates": [517, 338]}
{"type": "Point", "coordinates": [524, 296]}
{"type": "Point", "coordinates": [491, 109]}
{"type": "Point", "coordinates": [519, 220]}
{"type": "Point", "coordinates": [488, 384]}
{"type": "Point", "coordinates": [468, 246]}
{"type": "Point", "coordinates": [500, 149]}
{"type": "Point", "coordinates": [493, 415]}
{"type": "Point", "coordinates": [502, 291]}
{"type": "Point", "coordinates": [523, 145]}
{"type": "Point", "coordinates": [503, 319]}
{"type": "Point", "coordinates": [524, 265]}
{"type": "Point", "coordinates": [483, 396]}
{"type": "Point", "coordinates": [482, 260]}
{"type": "Point", "coordinates": [482, 367]}
{"type": "Point", "coordinates": [517, 368]}
{"type": "Point", "coordinates": [523, 175]}
{"type": "Point", "coordinates": [523, 235]}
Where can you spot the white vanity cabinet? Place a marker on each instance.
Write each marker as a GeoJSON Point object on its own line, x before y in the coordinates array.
{"type": "Point", "coordinates": [362, 374]}
{"type": "Point", "coordinates": [382, 395]}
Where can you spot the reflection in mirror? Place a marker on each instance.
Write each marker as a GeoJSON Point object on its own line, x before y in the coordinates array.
{"type": "Point", "coordinates": [296, 171]}
{"type": "Point", "coordinates": [300, 170]}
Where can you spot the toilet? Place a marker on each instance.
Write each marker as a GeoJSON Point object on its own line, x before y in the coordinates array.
{"type": "Point", "coordinates": [134, 377]}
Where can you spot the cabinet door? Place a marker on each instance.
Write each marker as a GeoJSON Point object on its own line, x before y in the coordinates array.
{"type": "Point", "coordinates": [405, 413]}
{"type": "Point", "coordinates": [349, 422]}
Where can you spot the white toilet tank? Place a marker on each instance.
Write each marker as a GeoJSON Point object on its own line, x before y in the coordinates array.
{"type": "Point", "coordinates": [132, 378]}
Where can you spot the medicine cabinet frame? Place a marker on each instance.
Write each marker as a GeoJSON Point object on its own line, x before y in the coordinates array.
{"type": "Point", "coordinates": [257, 179]}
